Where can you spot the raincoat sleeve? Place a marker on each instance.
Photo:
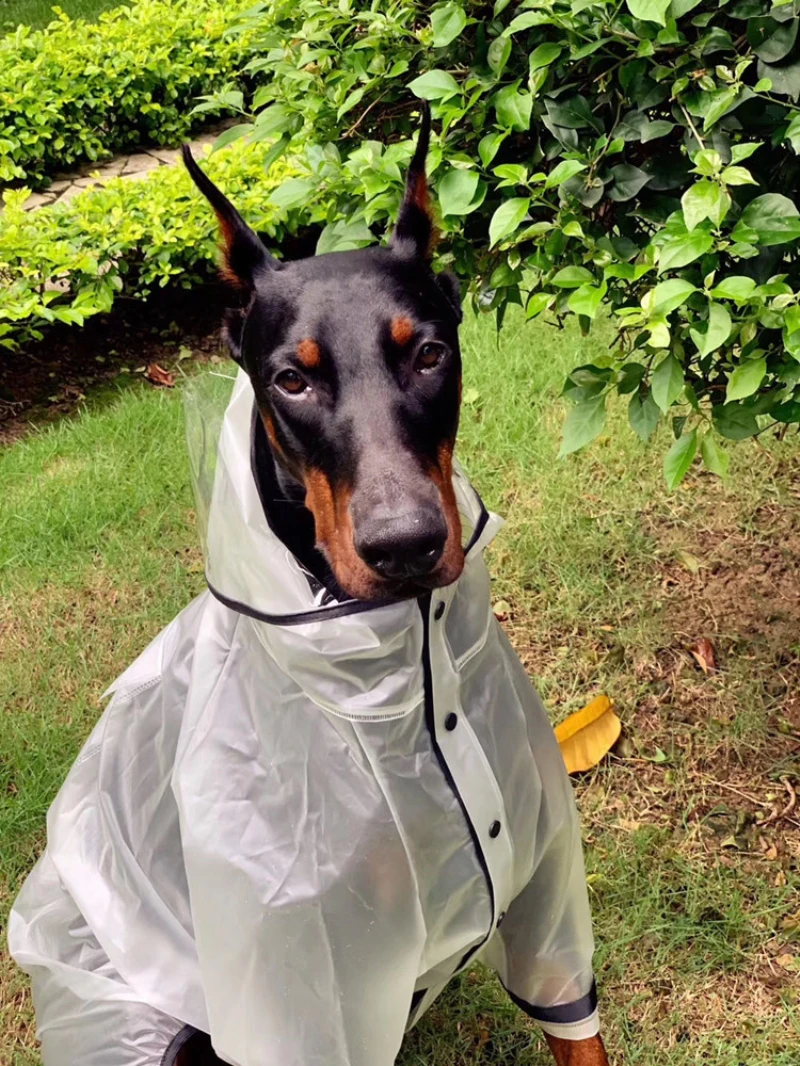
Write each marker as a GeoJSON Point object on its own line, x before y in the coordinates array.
{"type": "Point", "coordinates": [86, 1014]}
{"type": "Point", "coordinates": [543, 948]}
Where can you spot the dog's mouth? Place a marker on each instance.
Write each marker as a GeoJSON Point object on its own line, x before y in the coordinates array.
{"type": "Point", "coordinates": [411, 588]}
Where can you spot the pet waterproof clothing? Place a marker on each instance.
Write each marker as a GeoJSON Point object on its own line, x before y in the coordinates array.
{"type": "Point", "coordinates": [298, 818]}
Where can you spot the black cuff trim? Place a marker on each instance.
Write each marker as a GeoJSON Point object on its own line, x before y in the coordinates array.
{"type": "Point", "coordinates": [176, 1044]}
{"type": "Point", "coordinates": [562, 1014]}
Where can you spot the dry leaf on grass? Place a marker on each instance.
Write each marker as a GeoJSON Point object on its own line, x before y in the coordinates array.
{"type": "Point", "coordinates": [159, 376]}
{"type": "Point", "coordinates": [588, 735]}
{"type": "Point", "coordinates": [502, 610]}
{"type": "Point", "coordinates": [703, 653]}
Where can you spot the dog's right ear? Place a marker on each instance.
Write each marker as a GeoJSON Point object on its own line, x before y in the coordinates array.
{"type": "Point", "coordinates": [413, 235]}
{"type": "Point", "coordinates": [244, 256]}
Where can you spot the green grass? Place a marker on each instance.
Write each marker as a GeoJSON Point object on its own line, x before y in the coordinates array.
{"type": "Point", "coordinates": [38, 13]}
{"type": "Point", "coordinates": [609, 580]}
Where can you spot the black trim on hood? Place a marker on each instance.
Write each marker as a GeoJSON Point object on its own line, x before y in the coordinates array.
{"type": "Point", "coordinates": [333, 610]}
{"type": "Point", "coordinates": [299, 618]}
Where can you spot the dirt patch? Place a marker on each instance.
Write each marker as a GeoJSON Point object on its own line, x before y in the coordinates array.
{"type": "Point", "coordinates": [737, 580]}
{"type": "Point", "coordinates": [53, 377]}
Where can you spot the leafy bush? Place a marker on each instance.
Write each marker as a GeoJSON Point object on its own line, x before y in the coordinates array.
{"type": "Point", "coordinates": [70, 261]}
{"type": "Point", "coordinates": [633, 154]}
{"type": "Point", "coordinates": [79, 90]}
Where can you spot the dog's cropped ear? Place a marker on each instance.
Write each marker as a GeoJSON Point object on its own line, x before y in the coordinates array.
{"type": "Point", "coordinates": [413, 234]}
{"type": "Point", "coordinates": [244, 255]}
{"type": "Point", "coordinates": [448, 284]}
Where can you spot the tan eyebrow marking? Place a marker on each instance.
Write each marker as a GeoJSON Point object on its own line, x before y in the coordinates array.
{"type": "Point", "coordinates": [402, 329]}
{"type": "Point", "coordinates": [308, 353]}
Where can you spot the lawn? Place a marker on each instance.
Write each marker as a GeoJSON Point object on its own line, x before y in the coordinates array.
{"type": "Point", "coordinates": [693, 855]}
{"type": "Point", "coordinates": [38, 13]}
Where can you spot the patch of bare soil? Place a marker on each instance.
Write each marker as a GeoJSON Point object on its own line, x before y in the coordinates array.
{"type": "Point", "coordinates": [742, 584]}
{"type": "Point", "coordinates": [52, 377]}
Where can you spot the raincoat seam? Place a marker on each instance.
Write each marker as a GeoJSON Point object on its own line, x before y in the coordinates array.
{"type": "Point", "coordinates": [430, 724]}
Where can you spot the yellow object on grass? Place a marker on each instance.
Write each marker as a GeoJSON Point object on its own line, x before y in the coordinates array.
{"type": "Point", "coordinates": [586, 736]}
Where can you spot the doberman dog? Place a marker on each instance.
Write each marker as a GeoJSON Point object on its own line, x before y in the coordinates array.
{"type": "Point", "coordinates": [355, 364]}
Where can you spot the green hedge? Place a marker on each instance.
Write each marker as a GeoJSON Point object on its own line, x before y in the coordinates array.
{"type": "Point", "coordinates": [70, 261]}
{"type": "Point", "coordinates": [80, 91]}
{"type": "Point", "coordinates": [637, 155]}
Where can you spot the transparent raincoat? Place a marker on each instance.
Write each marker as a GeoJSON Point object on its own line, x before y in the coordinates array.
{"type": "Point", "coordinates": [298, 818]}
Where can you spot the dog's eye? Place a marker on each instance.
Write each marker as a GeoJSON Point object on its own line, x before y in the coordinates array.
{"type": "Point", "coordinates": [291, 382]}
{"type": "Point", "coordinates": [428, 357]}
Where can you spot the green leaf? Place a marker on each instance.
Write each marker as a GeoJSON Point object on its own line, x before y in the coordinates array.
{"type": "Point", "coordinates": [785, 77]}
{"type": "Point", "coordinates": [571, 277]}
{"type": "Point", "coordinates": [498, 53]}
{"type": "Point", "coordinates": [659, 127]}
{"type": "Point", "coordinates": [350, 101]}
{"type": "Point", "coordinates": [573, 113]}
{"type": "Point", "coordinates": [630, 377]}
{"type": "Point", "coordinates": [233, 133]}
{"type": "Point", "coordinates": [738, 176]}
{"type": "Point", "coordinates": [740, 152]}
{"type": "Point", "coordinates": [705, 199]}
{"type": "Point", "coordinates": [543, 56]}
{"type": "Point", "coordinates": [584, 422]}
{"type": "Point", "coordinates": [513, 108]}
{"type": "Point", "coordinates": [274, 119]}
{"type": "Point", "coordinates": [538, 302]}
{"type": "Point", "coordinates": [737, 288]}
{"type": "Point", "coordinates": [771, 40]}
{"type": "Point", "coordinates": [792, 134]}
{"type": "Point", "coordinates": [343, 236]}
{"type": "Point", "coordinates": [293, 192]}
{"type": "Point", "coordinates": [507, 218]}
{"type": "Point", "coordinates": [649, 10]}
{"type": "Point", "coordinates": [683, 250]}
{"type": "Point", "coordinates": [448, 22]}
{"type": "Point", "coordinates": [746, 379]}
{"type": "Point", "coordinates": [679, 458]}
{"type": "Point", "coordinates": [717, 330]}
{"type": "Point", "coordinates": [489, 145]}
{"type": "Point", "coordinates": [716, 459]}
{"type": "Point", "coordinates": [722, 100]}
{"type": "Point", "coordinates": [457, 191]}
{"type": "Point", "coordinates": [523, 22]}
{"type": "Point", "coordinates": [669, 295]}
{"type": "Point", "coordinates": [587, 299]}
{"type": "Point", "coordinates": [565, 170]}
{"type": "Point", "coordinates": [707, 162]}
{"type": "Point", "coordinates": [643, 415]}
{"type": "Point", "coordinates": [734, 421]}
{"type": "Point", "coordinates": [628, 180]}
{"type": "Point", "coordinates": [667, 382]}
{"type": "Point", "coordinates": [773, 217]}
{"type": "Point", "coordinates": [434, 85]}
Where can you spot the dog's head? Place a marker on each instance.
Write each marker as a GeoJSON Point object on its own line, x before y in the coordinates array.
{"type": "Point", "coordinates": [356, 369]}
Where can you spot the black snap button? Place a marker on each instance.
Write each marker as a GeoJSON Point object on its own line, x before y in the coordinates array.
{"type": "Point", "coordinates": [437, 614]}
{"type": "Point", "coordinates": [500, 918]}
{"type": "Point", "coordinates": [451, 721]}
{"type": "Point", "coordinates": [494, 830]}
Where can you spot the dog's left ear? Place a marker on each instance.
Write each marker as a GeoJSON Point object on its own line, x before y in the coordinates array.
{"type": "Point", "coordinates": [413, 234]}
{"type": "Point", "coordinates": [244, 255]}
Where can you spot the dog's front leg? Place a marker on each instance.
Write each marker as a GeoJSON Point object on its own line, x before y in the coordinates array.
{"type": "Point", "coordinates": [590, 1052]}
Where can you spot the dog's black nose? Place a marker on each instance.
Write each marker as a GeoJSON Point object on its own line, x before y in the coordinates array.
{"type": "Point", "coordinates": [403, 547]}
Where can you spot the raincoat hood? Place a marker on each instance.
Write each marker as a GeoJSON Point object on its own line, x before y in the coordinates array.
{"type": "Point", "coordinates": [368, 664]}
{"type": "Point", "coordinates": [298, 818]}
